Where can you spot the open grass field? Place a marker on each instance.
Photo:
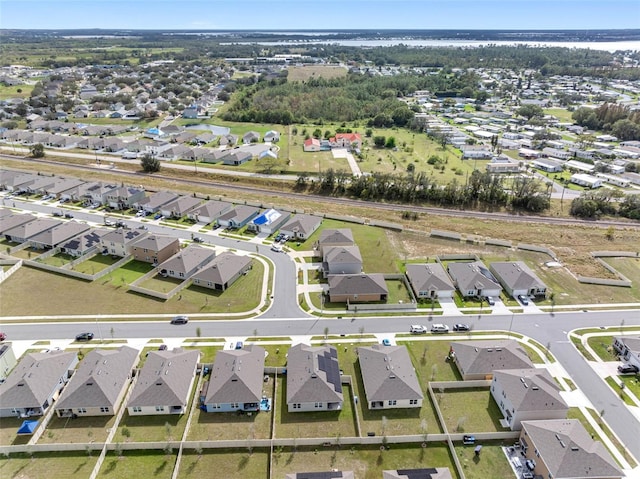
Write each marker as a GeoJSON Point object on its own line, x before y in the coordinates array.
{"type": "Point", "coordinates": [50, 465]}
{"type": "Point", "coordinates": [629, 267]}
{"type": "Point", "coordinates": [562, 114]}
{"type": "Point", "coordinates": [225, 463]}
{"type": "Point", "coordinates": [365, 462]}
{"type": "Point", "coordinates": [109, 296]}
{"type": "Point", "coordinates": [140, 464]}
{"type": "Point", "coordinates": [15, 91]}
{"type": "Point", "coordinates": [81, 429]}
{"type": "Point", "coordinates": [471, 409]}
{"type": "Point", "coordinates": [307, 72]}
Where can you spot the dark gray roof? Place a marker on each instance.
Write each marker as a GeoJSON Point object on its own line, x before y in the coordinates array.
{"type": "Point", "coordinates": [86, 240]}
{"type": "Point", "coordinates": [321, 475]}
{"type": "Point", "coordinates": [429, 277]}
{"type": "Point", "coordinates": [122, 236]}
{"type": "Point", "coordinates": [223, 267]}
{"type": "Point", "coordinates": [342, 254]}
{"type": "Point", "coordinates": [237, 376]}
{"type": "Point", "coordinates": [212, 209]}
{"type": "Point", "coordinates": [165, 378]}
{"type": "Point", "coordinates": [188, 259]}
{"type": "Point", "coordinates": [388, 374]}
{"type": "Point", "coordinates": [484, 357]}
{"type": "Point", "coordinates": [313, 374]}
{"type": "Point", "coordinates": [426, 473]}
{"type": "Point", "coordinates": [59, 233]}
{"type": "Point", "coordinates": [99, 379]}
{"type": "Point", "coordinates": [333, 236]}
{"type": "Point", "coordinates": [568, 450]}
{"type": "Point", "coordinates": [530, 389]}
{"type": "Point", "coordinates": [373, 283]}
{"type": "Point", "coordinates": [516, 275]}
{"type": "Point", "coordinates": [302, 223]}
{"type": "Point", "coordinates": [472, 276]}
{"type": "Point", "coordinates": [13, 220]}
{"type": "Point", "coordinates": [34, 378]}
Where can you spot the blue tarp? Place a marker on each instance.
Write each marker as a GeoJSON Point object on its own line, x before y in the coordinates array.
{"type": "Point", "coordinates": [268, 217]}
{"type": "Point", "coordinates": [28, 427]}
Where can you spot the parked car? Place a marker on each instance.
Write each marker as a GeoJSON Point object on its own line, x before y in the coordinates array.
{"type": "Point", "coordinates": [523, 299]}
{"type": "Point", "coordinates": [141, 213]}
{"type": "Point", "coordinates": [418, 329]}
{"type": "Point", "coordinates": [84, 337]}
{"type": "Point", "coordinates": [68, 215]}
{"type": "Point", "coordinates": [468, 440]}
{"type": "Point", "coordinates": [197, 239]}
{"type": "Point", "coordinates": [627, 369]}
{"type": "Point", "coordinates": [157, 216]}
{"type": "Point", "coordinates": [461, 327]}
{"type": "Point", "coordinates": [58, 213]}
{"type": "Point", "coordinates": [386, 342]}
{"type": "Point", "coordinates": [182, 319]}
{"type": "Point", "coordinates": [3, 336]}
{"type": "Point", "coordinates": [163, 347]}
{"type": "Point", "coordinates": [439, 328]}
{"type": "Point", "coordinates": [491, 300]}
{"type": "Point", "coordinates": [239, 345]}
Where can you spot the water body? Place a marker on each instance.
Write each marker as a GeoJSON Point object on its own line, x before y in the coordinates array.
{"type": "Point", "coordinates": [606, 46]}
{"type": "Point", "coordinates": [216, 130]}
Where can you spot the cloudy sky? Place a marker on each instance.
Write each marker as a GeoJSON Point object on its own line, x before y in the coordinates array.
{"type": "Point", "coordinates": [320, 14]}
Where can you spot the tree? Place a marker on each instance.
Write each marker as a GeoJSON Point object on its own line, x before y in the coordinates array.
{"type": "Point", "coordinates": [390, 143]}
{"type": "Point", "coordinates": [37, 150]}
{"type": "Point", "coordinates": [530, 111]}
{"type": "Point", "coordinates": [379, 141]}
{"type": "Point", "coordinates": [150, 164]}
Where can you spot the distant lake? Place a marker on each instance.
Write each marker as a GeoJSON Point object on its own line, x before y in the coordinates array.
{"type": "Point", "coordinates": [216, 130]}
{"type": "Point", "coordinates": [607, 46]}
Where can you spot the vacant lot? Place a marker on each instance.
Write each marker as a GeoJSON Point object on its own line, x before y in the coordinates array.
{"type": "Point", "coordinates": [138, 464]}
{"type": "Point", "coordinates": [305, 73]}
{"type": "Point", "coordinates": [225, 463]}
{"type": "Point", "coordinates": [365, 462]}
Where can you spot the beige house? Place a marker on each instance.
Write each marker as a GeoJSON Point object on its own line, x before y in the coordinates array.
{"type": "Point", "coordinates": [222, 271]}
{"type": "Point", "coordinates": [357, 288]}
{"type": "Point", "coordinates": [155, 249]}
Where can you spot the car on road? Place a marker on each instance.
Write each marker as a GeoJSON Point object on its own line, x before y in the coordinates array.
{"type": "Point", "coordinates": [162, 347]}
{"type": "Point", "coordinates": [197, 239]}
{"type": "Point", "coordinates": [627, 369]}
{"type": "Point", "coordinates": [276, 248]}
{"type": "Point", "coordinates": [418, 329]}
{"type": "Point", "coordinates": [3, 336]}
{"type": "Point", "coordinates": [439, 328]}
{"type": "Point", "coordinates": [239, 345]}
{"type": "Point", "coordinates": [68, 215]}
{"type": "Point", "coordinates": [58, 213]}
{"type": "Point", "coordinates": [386, 342]}
{"type": "Point", "coordinates": [461, 327]}
{"type": "Point", "coordinates": [181, 319]}
{"type": "Point", "coordinates": [84, 337]}
{"type": "Point", "coordinates": [523, 299]}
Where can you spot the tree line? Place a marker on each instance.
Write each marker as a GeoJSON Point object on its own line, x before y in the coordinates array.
{"type": "Point", "coordinates": [593, 204]}
{"type": "Point", "coordinates": [619, 120]}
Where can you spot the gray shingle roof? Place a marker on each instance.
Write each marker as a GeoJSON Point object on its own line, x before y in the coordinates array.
{"type": "Point", "coordinates": [155, 242]}
{"type": "Point", "coordinates": [8, 222]}
{"type": "Point", "coordinates": [34, 378]}
{"type": "Point", "coordinates": [237, 376]}
{"type": "Point", "coordinates": [388, 374]}
{"type": "Point", "coordinates": [484, 357]}
{"type": "Point", "coordinates": [28, 230]}
{"type": "Point", "coordinates": [223, 267]}
{"type": "Point", "coordinates": [212, 209]}
{"type": "Point", "coordinates": [302, 223]}
{"type": "Point", "coordinates": [357, 284]}
{"type": "Point", "coordinates": [59, 233]}
{"type": "Point", "coordinates": [333, 236]}
{"type": "Point", "coordinates": [429, 277]}
{"type": "Point", "coordinates": [631, 342]}
{"type": "Point", "coordinates": [313, 374]}
{"type": "Point", "coordinates": [472, 276]}
{"type": "Point", "coordinates": [342, 254]}
{"type": "Point", "coordinates": [99, 379]}
{"type": "Point", "coordinates": [530, 389]}
{"type": "Point", "coordinates": [568, 450]}
{"type": "Point", "coordinates": [188, 259]}
{"type": "Point", "coordinates": [424, 473]}
{"type": "Point", "coordinates": [516, 275]}
{"type": "Point", "coordinates": [165, 378]}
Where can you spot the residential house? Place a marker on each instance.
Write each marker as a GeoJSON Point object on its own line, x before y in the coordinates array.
{"type": "Point", "coordinates": [334, 237]}
{"type": "Point", "coordinates": [209, 211]}
{"type": "Point", "coordinates": [98, 192]}
{"type": "Point", "coordinates": [17, 182]}
{"type": "Point", "coordinates": [222, 271]}
{"type": "Point", "coordinates": [124, 197]}
{"type": "Point", "coordinates": [153, 203]}
{"type": "Point", "coordinates": [503, 164]}
{"type": "Point", "coordinates": [341, 260]}
{"type": "Point", "coordinates": [154, 248]}
{"type": "Point", "coordinates": [389, 378]}
{"type": "Point", "coordinates": [58, 234]}
{"type": "Point", "coordinates": [7, 360]}
{"type": "Point", "coordinates": [186, 262]}
{"type": "Point", "coordinates": [23, 232]}
{"type": "Point", "coordinates": [180, 206]}
{"type": "Point", "coordinates": [268, 222]}
{"type": "Point", "coordinates": [574, 165]}
{"type": "Point", "coordinates": [190, 112]}
{"type": "Point", "coordinates": [78, 193]}
{"type": "Point", "coordinates": [357, 288]}
{"type": "Point", "coordinates": [351, 141]}
{"type": "Point", "coordinates": [229, 139]}
{"type": "Point", "coordinates": [84, 244]}
{"type": "Point", "coordinates": [588, 181]}
{"type": "Point", "coordinates": [477, 152]}
{"type": "Point", "coordinates": [312, 144]}
{"type": "Point", "coordinates": [120, 242]}
{"type": "Point", "coordinates": [237, 157]}
{"type": "Point", "coordinates": [518, 279]}
{"type": "Point", "coordinates": [62, 185]}
{"type": "Point", "coordinates": [251, 137]}
{"type": "Point", "coordinates": [238, 216]}
{"type": "Point", "coordinates": [236, 381]}
{"type": "Point", "coordinates": [548, 165]}
{"type": "Point", "coordinates": [301, 226]}
{"type": "Point", "coordinates": [423, 473]}
{"type": "Point", "coordinates": [628, 347]}
{"type": "Point", "coordinates": [164, 383]}
{"type": "Point", "coordinates": [429, 280]}
{"type": "Point", "coordinates": [479, 359]}
{"type": "Point", "coordinates": [40, 185]}
{"type": "Point", "coordinates": [99, 384]}
{"type": "Point", "coordinates": [313, 379]}
{"type": "Point", "coordinates": [13, 220]}
{"type": "Point", "coordinates": [563, 449]}
{"type": "Point", "coordinates": [526, 395]}
{"type": "Point", "coordinates": [473, 279]}
{"type": "Point", "coordinates": [35, 383]}
{"type": "Point", "coordinates": [271, 136]}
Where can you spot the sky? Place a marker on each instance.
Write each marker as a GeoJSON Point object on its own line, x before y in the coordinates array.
{"type": "Point", "coordinates": [320, 14]}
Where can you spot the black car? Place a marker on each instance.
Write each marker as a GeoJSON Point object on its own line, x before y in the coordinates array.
{"type": "Point", "coordinates": [461, 327]}
{"type": "Point", "coordinates": [84, 337]}
{"type": "Point", "coordinates": [627, 369]}
{"type": "Point", "coordinates": [180, 320]}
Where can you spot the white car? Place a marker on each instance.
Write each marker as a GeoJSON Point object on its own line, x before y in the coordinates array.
{"type": "Point", "coordinates": [418, 329]}
{"type": "Point", "coordinates": [439, 328]}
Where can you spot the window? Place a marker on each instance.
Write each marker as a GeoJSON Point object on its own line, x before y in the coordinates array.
{"type": "Point", "coordinates": [392, 402]}
{"type": "Point", "coordinates": [318, 404]}
{"type": "Point", "coordinates": [137, 409]}
{"type": "Point", "coordinates": [235, 405]}
{"type": "Point", "coordinates": [81, 410]}
{"type": "Point", "coordinates": [413, 401]}
{"type": "Point", "coordinates": [104, 409]}
{"type": "Point", "coordinates": [181, 274]}
{"type": "Point", "coordinates": [296, 406]}
{"type": "Point", "coordinates": [159, 408]}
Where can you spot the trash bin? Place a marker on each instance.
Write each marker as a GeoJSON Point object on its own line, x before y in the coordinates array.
{"type": "Point", "coordinates": [477, 450]}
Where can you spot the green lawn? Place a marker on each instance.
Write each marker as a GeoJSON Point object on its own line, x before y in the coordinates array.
{"type": "Point", "coordinates": [602, 346]}
{"type": "Point", "coordinates": [81, 429]}
{"type": "Point", "coordinates": [96, 264]}
{"type": "Point", "coordinates": [472, 409]}
{"type": "Point", "coordinates": [225, 463]}
{"type": "Point", "coordinates": [367, 462]}
{"type": "Point", "coordinates": [138, 464]}
{"type": "Point", "coordinates": [50, 465]}
{"type": "Point", "coordinates": [58, 260]}
{"type": "Point", "coordinates": [167, 427]}
{"type": "Point", "coordinates": [629, 267]}
{"type": "Point", "coordinates": [490, 463]}
{"type": "Point", "coordinates": [8, 432]}
{"type": "Point", "coordinates": [130, 272]}
{"type": "Point", "coordinates": [15, 91]}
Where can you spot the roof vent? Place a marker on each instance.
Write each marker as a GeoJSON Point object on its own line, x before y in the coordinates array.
{"type": "Point", "coordinates": [575, 448]}
{"type": "Point", "coordinates": [314, 375]}
{"type": "Point", "coordinates": [535, 388]}
{"type": "Point", "coordinates": [489, 350]}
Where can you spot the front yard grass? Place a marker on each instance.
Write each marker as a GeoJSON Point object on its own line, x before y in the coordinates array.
{"type": "Point", "coordinates": [367, 462]}
{"type": "Point", "coordinates": [52, 465]}
{"type": "Point", "coordinates": [225, 463]}
{"type": "Point", "coordinates": [469, 409]}
{"type": "Point", "coordinates": [81, 429]}
{"type": "Point", "coordinates": [602, 346]}
{"type": "Point", "coordinates": [490, 463]}
{"type": "Point", "coordinates": [137, 464]}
